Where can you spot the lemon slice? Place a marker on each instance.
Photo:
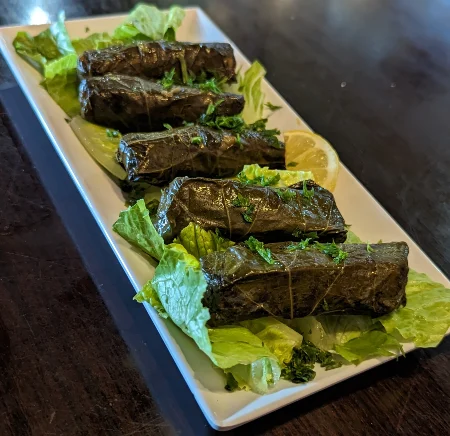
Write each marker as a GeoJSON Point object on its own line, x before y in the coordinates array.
{"type": "Point", "coordinates": [306, 151]}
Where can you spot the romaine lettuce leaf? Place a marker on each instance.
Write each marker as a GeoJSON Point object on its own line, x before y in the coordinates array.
{"type": "Point", "coordinates": [243, 355]}
{"type": "Point", "coordinates": [96, 41]}
{"type": "Point", "coordinates": [63, 89]}
{"type": "Point", "coordinates": [286, 177]}
{"type": "Point", "coordinates": [45, 48]}
{"type": "Point", "coordinates": [373, 343]}
{"type": "Point", "coordinates": [101, 146]}
{"type": "Point", "coordinates": [148, 22]}
{"type": "Point", "coordinates": [250, 86]}
{"type": "Point", "coordinates": [426, 317]}
{"type": "Point", "coordinates": [276, 336]}
{"type": "Point", "coordinates": [176, 291]}
{"type": "Point", "coordinates": [200, 242]}
{"type": "Point", "coordinates": [134, 225]}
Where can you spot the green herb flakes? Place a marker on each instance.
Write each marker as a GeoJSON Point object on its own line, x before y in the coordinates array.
{"type": "Point", "coordinates": [258, 247]}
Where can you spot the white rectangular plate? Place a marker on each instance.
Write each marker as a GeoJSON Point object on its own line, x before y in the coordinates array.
{"type": "Point", "coordinates": [369, 220]}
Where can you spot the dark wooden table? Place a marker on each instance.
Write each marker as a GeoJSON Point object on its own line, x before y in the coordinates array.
{"type": "Point", "coordinates": [78, 357]}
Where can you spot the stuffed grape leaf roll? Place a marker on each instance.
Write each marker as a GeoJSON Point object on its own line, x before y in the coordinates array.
{"type": "Point", "coordinates": [132, 104]}
{"type": "Point", "coordinates": [239, 210]}
{"type": "Point", "coordinates": [242, 285]}
{"type": "Point", "coordinates": [151, 59]}
{"type": "Point", "coordinates": [158, 157]}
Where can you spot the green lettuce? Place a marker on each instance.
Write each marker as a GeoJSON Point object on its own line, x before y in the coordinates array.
{"type": "Point", "coordinates": [101, 146]}
{"type": "Point", "coordinates": [250, 86]}
{"type": "Point", "coordinates": [134, 225]}
{"type": "Point", "coordinates": [96, 41]}
{"type": "Point", "coordinates": [374, 343]}
{"type": "Point", "coordinates": [426, 317]}
{"type": "Point", "coordinates": [276, 336]}
{"type": "Point", "coordinates": [45, 48]}
{"type": "Point", "coordinates": [176, 291]}
{"type": "Point", "coordinates": [148, 22]}
{"type": "Point", "coordinates": [284, 177]}
{"type": "Point", "coordinates": [245, 357]}
{"type": "Point", "coordinates": [200, 242]}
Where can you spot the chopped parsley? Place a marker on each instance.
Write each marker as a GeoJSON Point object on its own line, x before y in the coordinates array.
{"type": "Point", "coordinates": [307, 193]}
{"type": "Point", "coordinates": [272, 107]}
{"type": "Point", "coordinates": [285, 194]}
{"type": "Point", "coordinates": [292, 164]}
{"type": "Point", "coordinates": [168, 80]}
{"type": "Point", "coordinates": [239, 141]}
{"type": "Point", "coordinates": [236, 124]}
{"type": "Point", "coordinates": [301, 367]}
{"type": "Point", "coordinates": [212, 85]}
{"type": "Point", "coordinates": [110, 133]}
{"type": "Point", "coordinates": [241, 201]}
{"type": "Point", "coordinates": [369, 248]}
{"type": "Point", "coordinates": [333, 251]}
{"type": "Point", "coordinates": [167, 126]}
{"type": "Point", "coordinates": [260, 180]}
{"type": "Point", "coordinates": [302, 245]}
{"type": "Point", "coordinates": [197, 140]}
{"type": "Point", "coordinates": [248, 214]}
{"type": "Point", "coordinates": [258, 247]}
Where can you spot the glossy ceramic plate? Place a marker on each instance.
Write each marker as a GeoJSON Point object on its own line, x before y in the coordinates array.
{"type": "Point", "coordinates": [369, 220]}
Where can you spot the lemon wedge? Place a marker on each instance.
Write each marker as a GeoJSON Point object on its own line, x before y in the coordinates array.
{"type": "Point", "coordinates": [306, 151]}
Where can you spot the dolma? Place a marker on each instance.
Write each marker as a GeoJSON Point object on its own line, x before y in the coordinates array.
{"type": "Point", "coordinates": [132, 104]}
{"type": "Point", "coordinates": [151, 59]}
{"type": "Point", "coordinates": [239, 210]}
{"type": "Point", "coordinates": [242, 285]}
{"type": "Point", "coordinates": [157, 158]}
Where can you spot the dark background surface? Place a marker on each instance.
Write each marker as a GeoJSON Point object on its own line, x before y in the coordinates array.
{"type": "Point", "coordinates": [78, 357]}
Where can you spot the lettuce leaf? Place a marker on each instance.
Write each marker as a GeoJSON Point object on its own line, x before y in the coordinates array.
{"type": "Point", "coordinates": [99, 145]}
{"type": "Point", "coordinates": [276, 336]}
{"type": "Point", "coordinates": [48, 46]}
{"type": "Point", "coordinates": [200, 242]}
{"type": "Point", "coordinates": [96, 41]}
{"type": "Point", "coordinates": [148, 22]}
{"type": "Point", "coordinates": [370, 344]}
{"type": "Point", "coordinates": [286, 177]}
{"type": "Point", "coordinates": [176, 291]}
{"type": "Point", "coordinates": [250, 86]}
{"type": "Point", "coordinates": [134, 225]}
{"type": "Point", "coordinates": [243, 355]}
{"type": "Point", "coordinates": [426, 317]}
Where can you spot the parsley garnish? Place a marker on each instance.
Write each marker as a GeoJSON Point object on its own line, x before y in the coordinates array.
{"type": "Point", "coordinates": [333, 251]}
{"type": "Point", "coordinates": [237, 124]}
{"type": "Point", "coordinates": [248, 214]}
{"type": "Point", "coordinates": [302, 245]}
{"type": "Point", "coordinates": [241, 201]}
{"type": "Point", "coordinates": [285, 194]}
{"type": "Point", "coordinates": [259, 180]}
{"type": "Point", "coordinates": [239, 141]}
{"type": "Point", "coordinates": [325, 305]}
{"type": "Point", "coordinates": [86, 29]}
{"type": "Point", "coordinates": [272, 107]}
{"type": "Point", "coordinates": [212, 85]}
{"type": "Point", "coordinates": [167, 126]}
{"type": "Point", "coordinates": [369, 248]}
{"type": "Point", "coordinates": [258, 247]}
{"type": "Point", "coordinates": [301, 367]}
{"type": "Point", "coordinates": [168, 80]}
{"type": "Point", "coordinates": [110, 133]}
{"type": "Point", "coordinates": [292, 164]}
{"type": "Point", "coordinates": [307, 193]}
{"type": "Point", "coordinates": [197, 140]}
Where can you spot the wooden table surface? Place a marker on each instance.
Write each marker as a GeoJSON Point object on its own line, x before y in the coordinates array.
{"type": "Point", "coordinates": [373, 77]}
